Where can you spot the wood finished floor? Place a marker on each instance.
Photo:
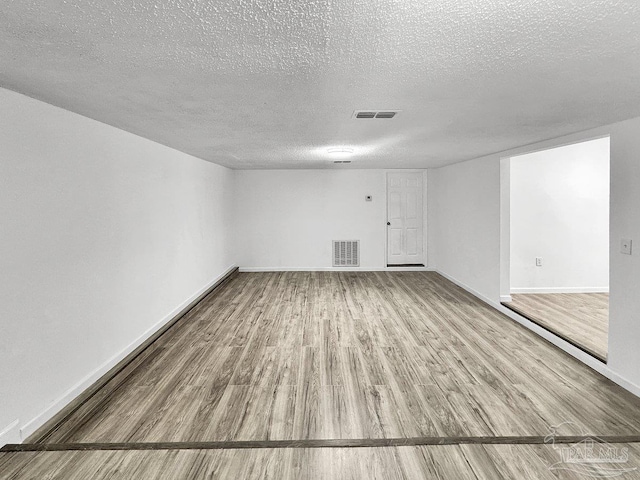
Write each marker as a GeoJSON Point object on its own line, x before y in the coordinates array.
{"type": "Point", "coordinates": [582, 318]}
{"type": "Point", "coordinates": [325, 355]}
{"type": "Point", "coordinates": [467, 462]}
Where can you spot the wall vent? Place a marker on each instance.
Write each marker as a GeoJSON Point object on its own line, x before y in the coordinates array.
{"type": "Point", "coordinates": [346, 253]}
{"type": "Point", "coordinates": [375, 113]}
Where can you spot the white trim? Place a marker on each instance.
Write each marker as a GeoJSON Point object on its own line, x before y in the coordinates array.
{"type": "Point", "coordinates": [468, 289]}
{"type": "Point", "coordinates": [575, 352]}
{"type": "Point", "coordinates": [335, 269]}
{"type": "Point", "coordinates": [10, 434]}
{"type": "Point", "coordinates": [505, 298]}
{"type": "Point", "coordinates": [32, 425]}
{"type": "Point", "coordinates": [623, 382]}
{"type": "Point", "coordinates": [505, 226]}
{"type": "Point", "coordinates": [561, 290]}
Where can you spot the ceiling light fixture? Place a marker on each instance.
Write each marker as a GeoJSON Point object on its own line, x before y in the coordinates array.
{"type": "Point", "coordinates": [340, 152]}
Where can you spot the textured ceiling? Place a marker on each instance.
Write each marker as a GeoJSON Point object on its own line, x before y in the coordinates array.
{"type": "Point", "coordinates": [274, 83]}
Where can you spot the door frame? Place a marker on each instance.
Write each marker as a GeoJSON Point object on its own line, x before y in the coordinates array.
{"type": "Point", "coordinates": [424, 217]}
{"type": "Point", "coordinates": [505, 246]}
{"type": "Point", "coordinates": [505, 201]}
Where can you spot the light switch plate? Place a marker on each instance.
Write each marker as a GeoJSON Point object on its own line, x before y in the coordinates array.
{"type": "Point", "coordinates": [625, 246]}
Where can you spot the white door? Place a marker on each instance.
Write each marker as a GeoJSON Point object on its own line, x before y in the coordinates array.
{"type": "Point", "coordinates": [404, 218]}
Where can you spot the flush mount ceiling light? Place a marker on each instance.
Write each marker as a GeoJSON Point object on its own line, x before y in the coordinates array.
{"type": "Point", "coordinates": [340, 152]}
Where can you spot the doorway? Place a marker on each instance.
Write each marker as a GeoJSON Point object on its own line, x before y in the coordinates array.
{"type": "Point", "coordinates": [559, 242]}
{"type": "Point", "coordinates": [405, 246]}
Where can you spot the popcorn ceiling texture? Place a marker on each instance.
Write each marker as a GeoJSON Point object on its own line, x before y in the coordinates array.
{"type": "Point", "coordinates": [272, 83]}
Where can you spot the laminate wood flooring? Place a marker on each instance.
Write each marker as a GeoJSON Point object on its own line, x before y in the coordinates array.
{"type": "Point", "coordinates": [581, 318]}
{"type": "Point", "coordinates": [350, 356]}
{"type": "Point", "coordinates": [325, 355]}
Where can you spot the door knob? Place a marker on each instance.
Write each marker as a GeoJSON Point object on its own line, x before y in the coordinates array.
{"type": "Point", "coordinates": [388, 223]}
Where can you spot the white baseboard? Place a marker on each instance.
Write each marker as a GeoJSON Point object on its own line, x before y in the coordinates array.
{"type": "Point", "coordinates": [32, 425]}
{"type": "Point", "coordinates": [10, 433]}
{"type": "Point", "coordinates": [561, 290]}
{"type": "Point", "coordinates": [335, 269]}
{"type": "Point", "coordinates": [468, 288]}
{"type": "Point", "coordinates": [623, 382]}
{"type": "Point", "coordinates": [575, 352]}
{"type": "Point", "coordinates": [505, 298]}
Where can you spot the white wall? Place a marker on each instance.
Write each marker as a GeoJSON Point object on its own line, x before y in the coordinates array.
{"type": "Point", "coordinates": [465, 237]}
{"type": "Point", "coordinates": [288, 218]}
{"type": "Point", "coordinates": [560, 212]}
{"type": "Point", "coordinates": [624, 281]}
{"type": "Point", "coordinates": [462, 243]}
{"type": "Point", "coordinates": [104, 237]}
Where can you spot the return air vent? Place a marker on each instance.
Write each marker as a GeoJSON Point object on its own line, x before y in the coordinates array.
{"type": "Point", "coordinates": [375, 113]}
{"type": "Point", "coordinates": [346, 253]}
{"type": "Point", "coordinates": [342, 161]}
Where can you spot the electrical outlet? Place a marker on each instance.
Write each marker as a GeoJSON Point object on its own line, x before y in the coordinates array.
{"type": "Point", "coordinates": [538, 261]}
{"type": "Point", "coordinates": [625, 246]}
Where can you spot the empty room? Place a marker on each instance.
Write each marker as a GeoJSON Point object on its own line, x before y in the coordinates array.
{"type": "Point", "coordinates": [279, 239]}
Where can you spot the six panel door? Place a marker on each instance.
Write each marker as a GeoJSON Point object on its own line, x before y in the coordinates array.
{"type": "Point", "coordinates": [404, 219]}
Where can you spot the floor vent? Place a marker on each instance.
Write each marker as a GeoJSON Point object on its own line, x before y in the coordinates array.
{"type": "Point", "coordinates": [346, 253]}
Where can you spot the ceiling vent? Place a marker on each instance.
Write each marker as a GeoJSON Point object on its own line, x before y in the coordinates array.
{"type": "Point", "coordinates": [342, 161]}
{"type": "Point", "coordinates": [375, 113]}
{"type": "Point", "coordinates": [346, 253]}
